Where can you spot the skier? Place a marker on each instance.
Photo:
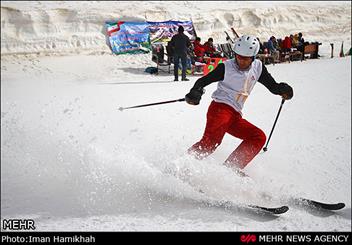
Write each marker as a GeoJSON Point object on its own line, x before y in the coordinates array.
{"type": "Point", "coordinates": [237, 78]}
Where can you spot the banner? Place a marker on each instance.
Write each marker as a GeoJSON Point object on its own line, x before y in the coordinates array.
{"type": "Point", "coordinates": [128, 37]}
{"type": "Point", "coordinates": [162, 32]}
{"type": "Point", "coordinates": [137, 37]}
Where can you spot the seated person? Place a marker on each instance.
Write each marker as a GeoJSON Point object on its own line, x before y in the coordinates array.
{"type": "Point", "coordinates": [210, 49]}
{"type": "Point", "coordinates": [272, 46]}
{"type": "Point", "coordinates": [170, 52]}
{"type": "Point", "coordinates": [294, 40]}
{"type": "Point", "coordinates": [301, 44]}
{"type": "Point", "coordinates": [158, 53]}
{"type": "Point", "coordinates": [199, 50]}
{"type": "Point", "coordinates": [286, 45]}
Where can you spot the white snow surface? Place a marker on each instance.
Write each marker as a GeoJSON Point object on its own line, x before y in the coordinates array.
{"type": "Point", "coordinates": [65, 27]}
{"type": "Point", "coordinates": [72, 161]}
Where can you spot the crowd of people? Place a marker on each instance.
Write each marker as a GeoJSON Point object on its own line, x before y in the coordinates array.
{"type": "Point", "coordinates": [181, 48]}
{"type": "Point", "coordinates": [207, 49]}
{"type": "Point", "coordinates": [275, 46]}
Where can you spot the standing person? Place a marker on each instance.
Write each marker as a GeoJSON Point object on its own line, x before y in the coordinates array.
{"type": "Point", "coordinates": [237, 78]}
{"type": "Point", "coordinates": [180, 44]}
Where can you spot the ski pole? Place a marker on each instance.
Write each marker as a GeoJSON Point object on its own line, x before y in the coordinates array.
{"type": "Point", "coordinates": [157, 103]}
{"type": "Point", "coordinates": [277, 116]}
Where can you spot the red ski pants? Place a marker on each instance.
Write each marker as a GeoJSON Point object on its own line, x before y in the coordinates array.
{"type": "Point", "coordinates": [221, 119]}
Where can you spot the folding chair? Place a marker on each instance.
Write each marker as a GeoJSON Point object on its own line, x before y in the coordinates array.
{"type": "Point", "coordinates": [158, 56]}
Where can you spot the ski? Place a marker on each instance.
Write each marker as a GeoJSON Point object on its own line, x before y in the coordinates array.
{"type": "Point", "coordinates": [276, 210]}
{"type": "Point", "coordinates": [318, 205]}
{"type": "Point", "coordinates": [305, 202]}
{"type": "Point", "coordinates": [256, 208]}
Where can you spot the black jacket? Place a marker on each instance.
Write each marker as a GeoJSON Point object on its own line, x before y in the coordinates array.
{"type": "Point", "coordinates": [180, 43]}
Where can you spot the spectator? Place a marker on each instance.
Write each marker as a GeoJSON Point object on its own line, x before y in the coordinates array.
{"type": "Point", "coordinates": [170, 52]}
{"type": "Point", "coordinates": [286, 45]}
{"type": "Point", "coordinates": [294, 40]}
{"type": "Point", "coordinates": [199, 49]}
{"type": "Point", "coordinates": [301, 43]}
{"type": "Point", "coordinates": [210, 49]}
{"type": "Point", "coordinates": [180, 44]}
{"type": "Point", "coordinates": [300, 39]}
{"type": "Point", "coordinates": [277, 43]}
{"type": "Point", "coordinates": [272, 46]}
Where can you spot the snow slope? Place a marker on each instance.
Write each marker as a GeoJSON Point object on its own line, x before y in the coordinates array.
{"type": "Point", "coordinates": [72, 161]}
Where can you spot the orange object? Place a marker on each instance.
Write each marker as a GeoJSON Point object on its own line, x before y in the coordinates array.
{"type": "Point", "coordinates": [211, 64]}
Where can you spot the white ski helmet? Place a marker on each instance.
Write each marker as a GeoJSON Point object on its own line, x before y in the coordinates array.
{"type": "Point", "coordinates": [247, 46]}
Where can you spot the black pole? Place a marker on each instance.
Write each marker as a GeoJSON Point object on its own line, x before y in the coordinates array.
{"type": "Point", "coordinates": [277, 116]}
{"type": "Point", "coordinates": [157, 103]}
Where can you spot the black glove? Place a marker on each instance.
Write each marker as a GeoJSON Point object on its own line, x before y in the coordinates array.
{"type": "Point", "coordinates": [286, 91]}
{"type": "Point", "coordinates": [194, 96]}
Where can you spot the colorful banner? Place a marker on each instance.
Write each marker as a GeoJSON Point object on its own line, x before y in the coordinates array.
{"type": "Point", "coordinates": [162, 32]}
{"type": "Point", "coordinates": [128, 37]}
{"type": "Point", "coordinates": [137, 37]}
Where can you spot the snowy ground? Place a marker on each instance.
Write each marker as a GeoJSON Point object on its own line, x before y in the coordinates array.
{"type": "Point", "coordinates": [72, 161]}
